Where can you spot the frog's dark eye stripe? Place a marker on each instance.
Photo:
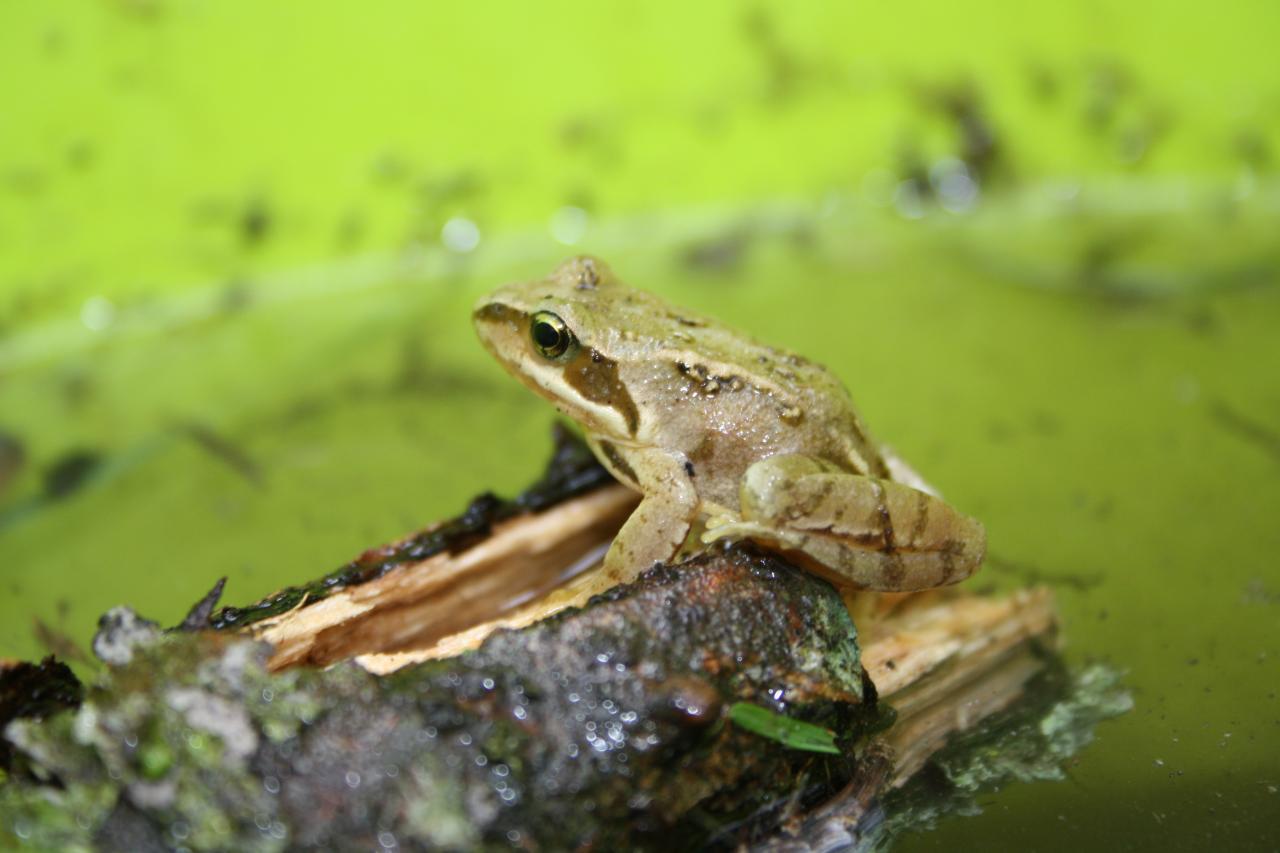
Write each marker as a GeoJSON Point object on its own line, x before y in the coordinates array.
{"type": "Point", "coordinates": [551, 337]}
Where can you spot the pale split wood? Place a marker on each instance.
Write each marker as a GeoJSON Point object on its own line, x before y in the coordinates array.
{"type": "Point", "coordinates": [915, 641]}
{"type": "Point", "coordinates": [947, 666]}
{"type": "Point", "coordinates": [416, 605]}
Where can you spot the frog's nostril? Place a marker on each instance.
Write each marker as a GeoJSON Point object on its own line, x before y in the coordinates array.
{"type": "Point", "coordinates": [493, 312]}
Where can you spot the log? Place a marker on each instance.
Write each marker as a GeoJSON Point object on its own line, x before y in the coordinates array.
{"type": "Point", "coordinates": [456, 690]}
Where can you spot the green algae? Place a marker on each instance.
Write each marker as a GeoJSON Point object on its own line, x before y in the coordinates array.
{"type": "Point", "coordinates": [1082, 359]}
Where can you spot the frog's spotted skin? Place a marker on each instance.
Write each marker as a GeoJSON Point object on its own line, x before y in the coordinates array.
{"type": "Point", "coordinates": [707, 424]}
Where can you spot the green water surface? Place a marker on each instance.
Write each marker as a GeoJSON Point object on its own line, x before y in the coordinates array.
{"type": "Point", "coordinates": [239, 242]}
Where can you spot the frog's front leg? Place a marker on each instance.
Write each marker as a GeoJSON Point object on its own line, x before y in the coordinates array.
{"type": "Point", "coordinates": [657, 528]}
{"type": "Point", "coordinates": [873, 534]}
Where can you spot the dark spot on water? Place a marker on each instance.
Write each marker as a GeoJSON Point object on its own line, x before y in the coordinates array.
{"type": "Point", "coordinates": [1140, 136]}
{"type": "Point", "coordinates": [1202, 321]}
{"type": "Point", "coordinates": [81, 155]}
{"type": "Point", "coordinates": [13, 458]}
{"type": "Point", "coordinates": [1043, 82]}
{"type": "Point", "coordinates": [1045, 423]}
{"type": "Point", "coordinates": [1252, 148]}
{"type": "Point", "coordinates": [389, 168]}
{"type": "Point", "coordinates": [979, 146]}
{"type": "Point", "coordinates": [223, 449]}
{"type": "Point", "coordinates": [350, 229]}
{"type": "Point", "coordinates": [784, 70]}
{"type": "Point", "coordinates": [722, 253]}
{"type": "Point", "coordinates": [999, 432]}
{"type": "Point", "coordinates": [54, 42]}
{"type": "Point", "coordinates": [453, 189]}
{"type": "Point", "coordinates": [236, 296]}
{"type": "Point", "coordinates": [25, 180]}
{"type": "Point", "coordinates": [255, 223]}
{"type": "Point", "coordinates": [77, 387]}
{"type": "Point", "coordinates": [1109, 84]}
{"type": "Point", "coordinates": [70, 472]}
{"type": "Point", "coordinates": [1032, 575]}
{"type": "Point", "coordinates": [1262, 436]}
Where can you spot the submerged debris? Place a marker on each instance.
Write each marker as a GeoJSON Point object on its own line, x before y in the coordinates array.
{"type": "Point", "coordinates": [224, 450]}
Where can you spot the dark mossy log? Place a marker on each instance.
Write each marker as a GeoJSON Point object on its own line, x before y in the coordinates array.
{"type": "Point", "coordinates": [609, 726]}
{"type": "Point", "coordinates": [467, 702]}
{"type": "Point", "coordinates": [606, 725]}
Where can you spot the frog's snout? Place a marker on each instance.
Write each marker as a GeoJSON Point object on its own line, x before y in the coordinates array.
{"type": "Point", "coordinates": [497, 324]}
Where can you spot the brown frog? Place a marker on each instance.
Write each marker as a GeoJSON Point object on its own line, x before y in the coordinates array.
{"type": "Point", "coordinates": [722, 435]}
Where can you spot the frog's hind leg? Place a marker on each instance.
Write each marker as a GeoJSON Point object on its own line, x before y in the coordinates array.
{"type": "Point", "coordinates": [871, 533]}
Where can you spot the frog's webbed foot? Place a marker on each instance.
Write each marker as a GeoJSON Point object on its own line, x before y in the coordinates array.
{"type": "Point", "coordinates": [873, 534]}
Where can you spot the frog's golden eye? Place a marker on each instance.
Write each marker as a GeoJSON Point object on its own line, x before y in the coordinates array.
{"type": "Point", "coordinates": [551, 337]}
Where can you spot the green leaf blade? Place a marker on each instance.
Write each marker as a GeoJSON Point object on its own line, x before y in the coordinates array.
{"type": "Point", "coordinates": [795, 734]}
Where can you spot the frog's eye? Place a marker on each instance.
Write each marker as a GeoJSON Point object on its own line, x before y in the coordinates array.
{"type": "Point", "coordinates": [551, 337]}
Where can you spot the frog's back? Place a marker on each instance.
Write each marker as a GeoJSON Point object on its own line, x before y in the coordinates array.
{"type": "Point", "coordinates": [727, 399]}
{"type": "Point", "coordinates": [755, 400]}
{"type": "Point", "coordinates": [815, 404]}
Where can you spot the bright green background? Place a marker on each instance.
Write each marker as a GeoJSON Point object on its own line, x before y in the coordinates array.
{"type": "Point", "coordinates": [1087, 360]}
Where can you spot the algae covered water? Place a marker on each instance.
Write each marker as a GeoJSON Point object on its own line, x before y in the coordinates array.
{"type": "Point", "coordinates": [238, 251]}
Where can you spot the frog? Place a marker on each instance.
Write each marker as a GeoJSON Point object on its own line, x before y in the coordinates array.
{"type": "Point", "coordinates": [724, 438]}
